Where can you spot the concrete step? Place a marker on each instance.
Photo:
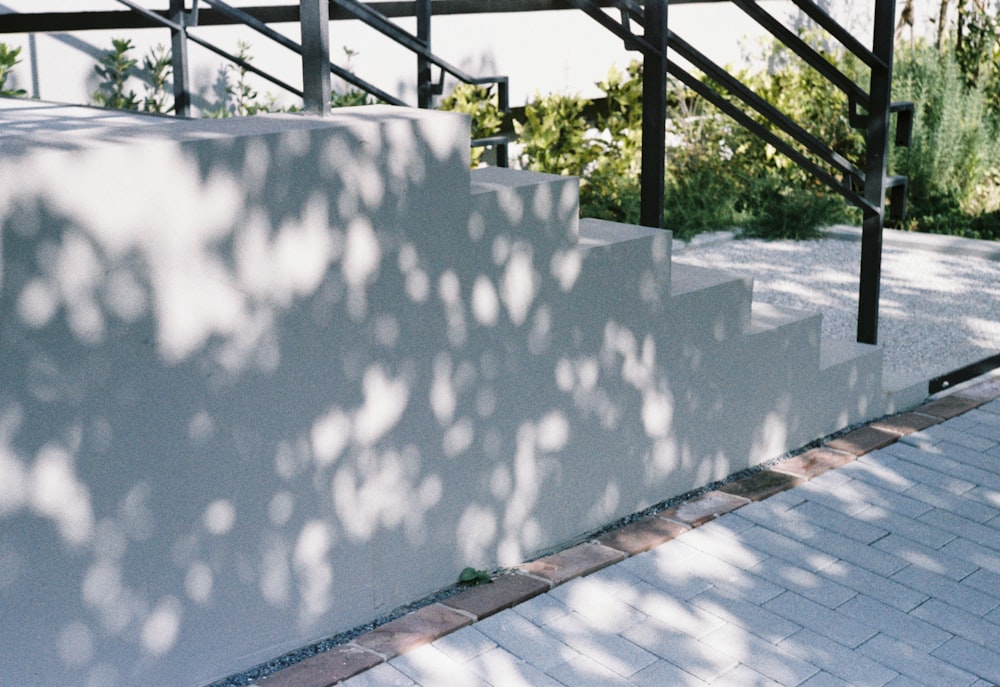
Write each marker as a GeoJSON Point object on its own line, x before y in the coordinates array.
{"type": "Point", "coordinates": [543, 208]}
{"type": "Point", "coordinates": [793, 333]}
{"type": "Point", "coordinates": [850, 375]}
{"type": "Point", "coordinates": [708, 304]}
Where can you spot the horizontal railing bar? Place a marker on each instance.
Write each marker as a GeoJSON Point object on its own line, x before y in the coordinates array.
{"type": "Point", "coordinates": [846, 38]}
{"type": "Point", "coordinates": [769, 111]}
{"type": "Point", "coordinates": [379, 22]}
{"type": "Point", "coordinates": [243, 63]}
{"type": "Point", "coordinates": [257, 25]}
{"type": "Point", "coordinates": [803, 50]}
{"type": "Point", "coordinates": [763, 132]}
{"type": "Point", "coordinates": [50, 22]}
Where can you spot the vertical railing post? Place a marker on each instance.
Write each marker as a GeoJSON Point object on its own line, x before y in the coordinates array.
{"type": "Point", "coordinates": [425, 94]}
{"type": "Point", "coordinates": [877, 155]}
{"type": "Point", "coordinates": [179, 59]}
{"type": "Point", "coordinates": [314, 15]}
{"type": "Point", "coordinates": [654, 115]}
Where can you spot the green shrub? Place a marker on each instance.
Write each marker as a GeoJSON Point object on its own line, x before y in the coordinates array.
{"type": "Point", "coordinates": [239, 98]}
{"type": "Point", "coordinates": [953, 164]}
{"type": "Point", "coordinates": [115, 67]}
{"type": "Point", "coordinates": [8, 60]}
{"type": "Point", "coordinates": [482, 106]}
{"type": "Point", "coordinates": [554, 136]}
{"type": "Point", "coordinates": [158, 68]}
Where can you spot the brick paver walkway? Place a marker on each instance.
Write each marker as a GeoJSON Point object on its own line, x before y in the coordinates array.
{"type": "Point", "coordinates": [874, 560]}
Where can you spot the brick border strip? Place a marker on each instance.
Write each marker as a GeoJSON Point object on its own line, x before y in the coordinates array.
{"type": "Point", "coordinates": [504, 591]}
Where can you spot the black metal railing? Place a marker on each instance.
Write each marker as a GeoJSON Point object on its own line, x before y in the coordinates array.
{"type": "Point", "coordinates": [642, 26]}
{"type": "Point", "coordinates": [865, 185]}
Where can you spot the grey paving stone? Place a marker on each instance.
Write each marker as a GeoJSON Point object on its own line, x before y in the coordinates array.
{"type": "Point", "coordinates": [586, 672]}
{"type": "Point", "coordinates": [542, 609]}
{"type": "Point", "coordinates": [819, 588]}
{"type": "Point", "coordinates": [728, 549]}
{"type": "Point", "coordinates": [525, 640]}
{"type": "Point", "coordinates": [958, 594]}
{"type": "Point", "coordinates": [967, 506]}
{"type": "Point", "coordinates": [966, 550]}
{"type": "Point", "coordinates": [728, 523]}
{"type": "Point", "coordinates": [985, 581]}
{"type": "Point", "coordinates": [778, 502]}
{"type": "Point", "coordinates": [961, 623]}
{"type": "Point", "coordinates": [976, 659]}
{"type": "Point", "coordinates": [906, 471]}
{"type": "Point", "coordinates": [664, 673]}
{"type": "Point", "coordinates": [606, 647]}
{"type": "Point", "coordinates": [675, 613]}
{"type": "Point", "coordinates": [988, 497]}
{"type": "Point", "coordinates": [821, 619]}
{"type": "Point", "coordinates": [862, 496]}
{"type": "Point", "coordinates": [915, 663]}
{"type": "Point", "coordinates": [939, 561]}
{"type": "Point", "coordinates": [925, 533]}
{"type": "Point", "coordinates": [762, 656]}
{"type": "Point", "coordinates": [824, 679]}
{"type": "Point", "coordinates": [991, 407]}
{"type": "Point", "coordinates": [751, 617]}
{"type": "Point", "coordinates": [870, 558]}
{"type": "Point", "coordinates": [680, 649]}
{"type": "Point", "coordinates": [906, 681]}
{"type": "Point", "coordinates": [427, 665]}
{"type": "Point", "coordinates": [850, 497]}
{"type": "Point", "coordinates": [500, 667]}
{"type": "Point", "coordinates": [883, 589]}
{"type": "Point", "coordinates": [665, 571]}
{"type": "Point", "coordinates": [465, 644]}
{"type": "Point", "coordinates": [599, 602]}
{"type": "Point", "coordinates": [877, 475]}
{"type": "Point", "coordinates": [862, 530]}
{"type": "Point", "coordinates": [984, 425]}
{"type": "Point", "coordinates": [384, 675]}
{"type": "Point", "coordinates": [705, 571]}
{"type": "Point", "coordinates": [836, 659]}
{"type": "Point", "coordinates": [963, 527]}
{"type": "Point", "coordinates": [744, 676]}
{"type": "Point", "coordinates": [826, 481]}
{"type": "Point", "coordinates": [953, 461]}
{"type": "Point", "coordinates": [894, 623]}
{"type": "Point", "coordinates": [947, 432]}
{"type": "Point", "coordinates": [771, 543]}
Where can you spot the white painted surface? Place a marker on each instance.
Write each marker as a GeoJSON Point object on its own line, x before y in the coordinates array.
{"type": "Point", "coordinates": [267, 379]}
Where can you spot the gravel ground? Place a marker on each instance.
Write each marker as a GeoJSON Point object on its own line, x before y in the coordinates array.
{"type": "Point", "coordinates": [938, 311]}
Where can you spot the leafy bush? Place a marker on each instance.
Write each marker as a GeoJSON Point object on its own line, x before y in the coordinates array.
{"type": "Point", "coordinates": [953, 164]}
{"type": "Point", "coordinates": [115, 68]}
{"type": "Point", "coordinates": [239, 98]}
{"type": "Point", "coordinates": [481, 105]}
{"type": "Point", "coordinates": [554, 136]}
{"type": "Point", "coordinates": [8, 60]}
{"type": "Point", "coordinates": [159, 68]}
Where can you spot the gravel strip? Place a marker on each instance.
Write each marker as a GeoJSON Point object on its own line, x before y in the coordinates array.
{"type": "Point", "coordinates": [938, 311]}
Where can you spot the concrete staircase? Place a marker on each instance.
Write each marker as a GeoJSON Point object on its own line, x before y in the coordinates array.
{"type": "Point", "coordinates": [288, 374]}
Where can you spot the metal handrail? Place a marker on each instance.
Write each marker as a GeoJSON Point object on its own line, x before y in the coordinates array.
{"type": "Point", "coordinates": [421, 48]}
{"type": "Point", "coordinates": [283, 40]}
{"type": "Point", "coordinates": [875, 102]}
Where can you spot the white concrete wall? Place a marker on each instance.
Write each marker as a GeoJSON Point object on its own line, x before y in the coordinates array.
{"type": "Point", "coordinates": [540, 51]}
{"type": "Point", "coordinates": [263, 380]}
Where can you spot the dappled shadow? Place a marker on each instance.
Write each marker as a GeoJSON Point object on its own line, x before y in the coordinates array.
{"type": "Point", "coordinates": [266, 379]}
